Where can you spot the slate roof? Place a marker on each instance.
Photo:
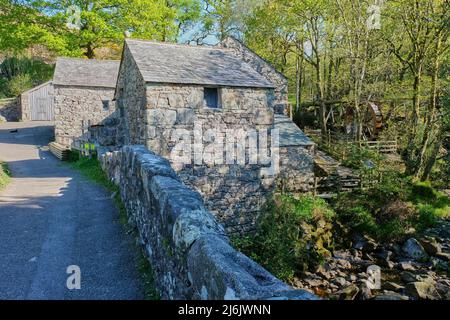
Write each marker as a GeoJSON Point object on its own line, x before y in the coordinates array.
{"type": "Point", "coordinates": [290, 134]}
{"type": "Point", "coordinates": [183, 64]}
{"type": "Point", "coordinates": [86, 73]}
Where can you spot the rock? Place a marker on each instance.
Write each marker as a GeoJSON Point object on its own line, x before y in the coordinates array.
{"type": "Point", "coordinates": [442, 288]}
{"type": "Point", "coordinates": [348, 293]}
{"type": "Point", "coordinates": [2, 119]}
{"type": "Point", "coordinates": [387, 264]}
{"type": "Point", "coordinates": [408, 277]}
{"type": "Point", "coordinates": [384, 255]}
{"type": "Point", "coordinates": [365, 244]}
{"type": "Point", "coordinates": [392, 286]}
{"type": "Point", "coordinates": [406, 266]}
{"type": "Point", "coordinates": [344, 263]}
{"type": "Point", "coordinates": [340, 281]}
{"type": "Point", "coordinates": [323, 272]}
{"type": "Point", "coordinates": [364, 292]}
{"type": "Point", "coordinates": [413, 249]}
{"type": "Point", "coordinates": [353, 277]}
{"type": "Point", "coordinates": [390, 295]}
{"type": "Point", "coordinates": [368, 257]}
{"type": "Point", "coordinates": [443, 255]}
{"type": "Point", "coordinates": [422, 290]}
{"type": "Point", "coordinates": [431, 246]}
{"type": "Point", "coordinates": [313, 282]}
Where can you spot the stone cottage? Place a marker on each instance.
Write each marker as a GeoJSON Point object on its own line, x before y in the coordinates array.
{"type": "Point", "coordinates": [203, 95]}
{"type": "Point", "coordinates": [84, 92]}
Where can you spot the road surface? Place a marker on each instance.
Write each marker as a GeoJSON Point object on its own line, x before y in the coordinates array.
{"type": "Point", "coordinates": [51, 218]}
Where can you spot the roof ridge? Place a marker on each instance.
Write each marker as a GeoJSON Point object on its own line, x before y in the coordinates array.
{"type": "Point", "coordinates": [182, 45]}
{"type": "Point", "coordinates": [88, 60]}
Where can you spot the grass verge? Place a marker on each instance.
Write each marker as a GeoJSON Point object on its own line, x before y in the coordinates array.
{"type": "Point", "coordinates": [90, 168]}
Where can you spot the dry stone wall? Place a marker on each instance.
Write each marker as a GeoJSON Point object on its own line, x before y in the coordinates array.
{"type": "Point", "coordinates": [190, 254]}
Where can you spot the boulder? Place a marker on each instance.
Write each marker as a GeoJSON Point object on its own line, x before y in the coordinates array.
{"type": "Point", "coordinates": [364, 292]}
{"type": "Point", "coordinates": [431, 246]}
{"type": "Point", "coordinates": [348, 293]}
{"type": "Point", "coordinates": [408, 277]}
{"type": "Point", "coordinates": [365, 244]}
{"type": "Point", "coordinates": [392, 286]}
{"type": "Point", "coordinates": [390, 295]}
{"type": "Point", "coordinates": [422, 290]}
{"type": "Point", "coordinates": [406, 266]}
{"type": "Point", "coordinates": [413, 249]}
{"type": "Point", "coordinates": [443, 255]}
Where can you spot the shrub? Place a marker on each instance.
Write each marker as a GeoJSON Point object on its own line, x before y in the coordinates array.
{"type": "Point", "coordinates": [423, 191]}
{"type": "Point", "coordinates": [19, 84]}
{"type": "Point", "coordinates": [4, 175]}
{"type": "Point", "coordinates": [293, 235]}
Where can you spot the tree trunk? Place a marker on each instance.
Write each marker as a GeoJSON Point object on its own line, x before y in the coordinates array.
{"type": "Point", "coordinates": [431, 114]}
{"type": "Point", "coordinates": [411, 151]}
{"type": "Point", "coordinates": [90, 54]}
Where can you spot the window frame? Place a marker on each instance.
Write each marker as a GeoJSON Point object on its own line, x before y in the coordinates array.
{"type": "Point", "coordinates": [219, 98]}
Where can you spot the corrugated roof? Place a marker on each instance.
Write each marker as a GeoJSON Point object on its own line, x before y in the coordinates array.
{"type": "Point", "coordinates": [183, 64]}
{"type": "Point", "coordinates": [86, 73]}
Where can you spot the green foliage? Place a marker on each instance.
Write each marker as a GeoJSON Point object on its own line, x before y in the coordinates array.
{"type": "Point", "coordinates": [293, 235]}
{"type": "Point", "coordinates": [391, 209]}
{"type": "Point", "coordinates": [102, 23]}
{"type": "Point", "coordinates": [5, 175]}
{"type": "Point", "coordinates": [19, 84]}
{"type": "Point", "coordinates": [20, 74]}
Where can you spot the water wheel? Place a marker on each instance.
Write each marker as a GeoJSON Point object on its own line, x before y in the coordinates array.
{"type": "Point", "coordinates": [371, 121]}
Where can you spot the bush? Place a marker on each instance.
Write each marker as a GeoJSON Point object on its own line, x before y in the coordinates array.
{"type": "Point", "coordinates": [293, 235]}
{"type": "Point", "coordinates": [20, 74]}
{"type": "Point", "coordinates": [423, 191]}
{"type": "Point", "coordinates": [390, 209]}
{"type": "Point", "coordinates": [4, 175]}
{"type": "Point", "coordinates": [19, 84]}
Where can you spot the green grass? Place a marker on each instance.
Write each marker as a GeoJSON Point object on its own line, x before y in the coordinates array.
{"type": "Point", "coordinates": [91, 169]}
{"type": "Point", "coordinates": [5, 175]}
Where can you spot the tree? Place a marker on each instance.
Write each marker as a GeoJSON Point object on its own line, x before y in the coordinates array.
{"type": "Point", "coordinates": [97, 24]}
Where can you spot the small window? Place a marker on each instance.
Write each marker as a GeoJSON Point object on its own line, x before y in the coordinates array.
{"type": "Point", "coordinates": [211, 97]}
{"type": "Point", "coordinates": [105, 105]}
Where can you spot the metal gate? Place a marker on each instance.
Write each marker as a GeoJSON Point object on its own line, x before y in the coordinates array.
{"type": "Point", "coordinates": [41, 103]}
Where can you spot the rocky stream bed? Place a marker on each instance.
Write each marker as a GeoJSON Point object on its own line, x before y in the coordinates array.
{"type": "Point", "coordinates": [417, 268]}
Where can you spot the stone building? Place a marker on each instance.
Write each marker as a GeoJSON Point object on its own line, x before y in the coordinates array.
{"type": "Point", "coordinates": [210, 96]}
{"type": "Point", "coordinates": [84, 92]}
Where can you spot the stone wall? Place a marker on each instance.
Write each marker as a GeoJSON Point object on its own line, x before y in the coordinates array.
{"type": "Point", "coordinates": [78, 106]}
{"type": "Point", "coordinates": [280, 102]}
{"type": "Point", "coordinates": [131, 99]}
{"type": "Point", "coordinates": [297, 153]}
{"type": "Point", "coordinates": [10, 110]}
{"type": "Point", "coordinates": [25, 108]}
{"type": "Point", "coordinates": [235, 192]}
{"type": "Point", "coordinates": [190, 254]}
